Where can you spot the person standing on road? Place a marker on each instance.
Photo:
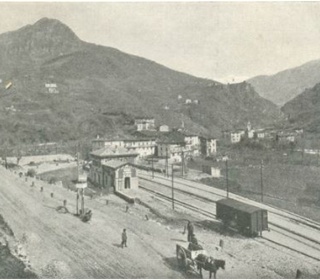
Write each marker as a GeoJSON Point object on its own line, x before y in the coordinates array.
{"type": "Point", "coordinates": [190, 230]}
{"type": "Point", "coordinates": [124, 239]}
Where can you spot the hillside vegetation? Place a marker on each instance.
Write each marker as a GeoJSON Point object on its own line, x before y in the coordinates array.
{"type": "Point", "coordinates": [304, 110]}
{"type": "Point", "coordinates": [285, 85]}
{"type": "Point", "coordinates": [101, 90]}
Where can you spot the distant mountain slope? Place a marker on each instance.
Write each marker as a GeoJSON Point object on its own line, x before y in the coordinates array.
{"type": "Point", "coordinates": [102, 89]}
{"type": "Point", "coordinates": [285, 85]}
{"type": "Point", "coordinates": [304, 110]}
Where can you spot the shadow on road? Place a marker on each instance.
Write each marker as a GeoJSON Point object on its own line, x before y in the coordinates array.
{"type": "Point", "coordinates": [117, 245]}
{"type": "Point", "coordinates": [180, 240]}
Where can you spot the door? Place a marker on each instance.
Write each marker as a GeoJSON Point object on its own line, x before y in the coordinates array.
{"type": "Point", "coordinates": [127, 183]}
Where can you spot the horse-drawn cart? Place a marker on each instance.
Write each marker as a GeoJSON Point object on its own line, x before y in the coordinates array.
{"type": "Point", "coordinates": [184, 255]}
{"type": "Point", "coordinates": [193, 261]}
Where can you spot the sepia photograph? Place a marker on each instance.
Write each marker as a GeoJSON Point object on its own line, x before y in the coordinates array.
{"type": "Point", "coordinates": [160, 140]}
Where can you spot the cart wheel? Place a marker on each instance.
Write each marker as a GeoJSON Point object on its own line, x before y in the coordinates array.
{"type": "Point", "coordinates": [181, 257]}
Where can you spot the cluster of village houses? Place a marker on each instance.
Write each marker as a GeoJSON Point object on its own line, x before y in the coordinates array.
{"type": "Point", "coordinates": [114, 160]}
{"type": "Point", "coordinates": [262, 133]}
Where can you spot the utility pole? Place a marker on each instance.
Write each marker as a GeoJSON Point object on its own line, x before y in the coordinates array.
{"type": "Point", "coordinates": [318, 158]}
{"type": "Point", "coordinates": [261, 167]}
{"type": "Point", "coordinates": [5, 159]}
{"type": "Point", "coordinates": [172, 187]}
{"type": "Point", "coordinates": [167, 167]}
{"type": "Point", "coordinates": [182, 163]}
{"type": "Point", "coordinates": [152, 170]}
{"type": "Point", "coordinates": [82, 202]}
{"type": "Point", "coordinates": [227, 181]}
{"type": "Point", "coordinates": [77, 204]}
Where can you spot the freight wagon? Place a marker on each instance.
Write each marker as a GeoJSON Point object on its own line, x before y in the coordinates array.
{"type": "Point", "coordinates": [247, 219]}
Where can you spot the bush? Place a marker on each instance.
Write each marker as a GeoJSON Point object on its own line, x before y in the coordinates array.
{"type": "Point", "coordinates": [52, 180]}
{"type": "Point", "coordinates": [31, 173]}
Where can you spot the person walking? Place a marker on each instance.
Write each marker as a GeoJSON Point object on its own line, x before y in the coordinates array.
{"type": "Point", "coordinates": [124, 239]}
{"type": "Point", "coordinates": [190, 230]}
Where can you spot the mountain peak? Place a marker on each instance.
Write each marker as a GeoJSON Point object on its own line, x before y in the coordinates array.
{"type": "Point", "coordinates": [54, 27]}
{"type": "Point", "coordinates": [44, 40]}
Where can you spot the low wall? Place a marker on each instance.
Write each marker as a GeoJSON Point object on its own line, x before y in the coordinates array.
{"type": "Point", "coordinates": [125, 197]}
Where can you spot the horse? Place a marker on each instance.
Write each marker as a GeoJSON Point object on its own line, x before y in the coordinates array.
{"type": "Point", "coordinates": [209, 264]}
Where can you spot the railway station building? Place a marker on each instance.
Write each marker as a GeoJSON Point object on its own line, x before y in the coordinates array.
{"type": "Point", "coordinates": [113, 168]}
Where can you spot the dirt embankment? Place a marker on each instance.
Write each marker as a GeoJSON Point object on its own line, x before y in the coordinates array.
{"type": "Point", "coordinates": [13, 261]}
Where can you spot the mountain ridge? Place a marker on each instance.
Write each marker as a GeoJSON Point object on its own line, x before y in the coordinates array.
{"type": "Point", "coordinates": [93, 79]}
{"type": "Point", "coordinates": [304, 110]}
{"type": "Point", "coordinates": [283, 86]}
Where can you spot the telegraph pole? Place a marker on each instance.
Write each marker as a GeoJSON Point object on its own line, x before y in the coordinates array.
{"type": "Point", "coordinates": [77, 205]}
{"type": "Point", "coordinates": [227, 181]}
{"type": "Point", "coordinates": [5, 159]}
{"type": "Point", "coordinates": [167, 167]}
{"type": "Point", "coordinates": [172, 188]}
{"type": "Point", "coordinates": [82, 202]}
{"type": "Point", "coordinates": [182, 163]}
{"type": "Point", "coordinates": [152, 170]}
{"type": "Point", "coordinates": [261, 167]}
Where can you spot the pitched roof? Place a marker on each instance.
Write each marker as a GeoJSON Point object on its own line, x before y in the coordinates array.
{"type": "Point", "coordinates": [173, 137]}
{"type": "Point", "coordinates": [112, 151]}
{"type": "Point", "coordinates": [147, 133]}
{"type": "Point", "coordinates": [238, 205]}
{"type": "Point", "coordinates": [115, 164]}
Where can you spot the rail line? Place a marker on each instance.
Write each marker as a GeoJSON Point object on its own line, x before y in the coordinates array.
{"type": "Point", "coordinates": [274, 227]}
{"type": "Point", "coordinates": [299, 219]}
{"type": "Point", "coordinates": [199, 197]}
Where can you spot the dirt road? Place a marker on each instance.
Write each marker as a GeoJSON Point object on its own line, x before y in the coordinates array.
{"type": "Point", "coordinates": [60, 245]}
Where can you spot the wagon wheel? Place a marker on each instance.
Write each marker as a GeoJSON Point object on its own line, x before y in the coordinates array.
{"type": "Point", "coordinates": [181, 257]}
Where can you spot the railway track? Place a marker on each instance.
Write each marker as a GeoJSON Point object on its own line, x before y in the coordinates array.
{"type": "Point", "coordinates": [290, 216]}
{"type": "Point", "coordinates": [295, 238]}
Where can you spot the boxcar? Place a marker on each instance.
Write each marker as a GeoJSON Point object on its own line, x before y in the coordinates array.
{"type": "Point", "coordinates": [249, 220]}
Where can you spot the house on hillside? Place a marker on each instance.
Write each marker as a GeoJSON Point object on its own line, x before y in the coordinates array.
{"type": "Point", "coordinates": [286, 137]}
{"type": "Point", "coordinates": [141, 146]}
{"type": "Point", "coordinates": [171, 145]}
{"type": "Point", "coordinates": [249, 131]}
{"type": "Point", "coordinates": [164, 128]}
{"type": "Point", "coordinates": [52, 88]}
{"type": "Point", "coordinates": [193, 143]}
{"type": "Point", "coordinates": [208, 146]}
{"type": "Point", "coordinates": [260, 134]}
{"type": "Point", "coordinates": [100, 143]}
{"type": "Point", "coordinates": [235, 137]}
{"type": "Point", "coordinates": [144, 123]}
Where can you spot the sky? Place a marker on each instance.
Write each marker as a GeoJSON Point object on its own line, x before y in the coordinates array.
{"type": "Point", "coordinates": [224, 41]}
